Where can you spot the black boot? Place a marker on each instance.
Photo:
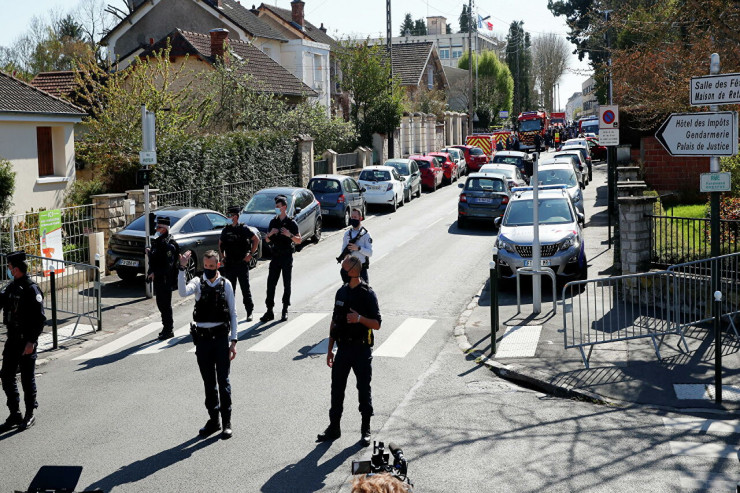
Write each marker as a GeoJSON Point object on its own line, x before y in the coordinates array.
{"type": "Point", "coordinates": [226, 431]}
{"type": "Point", "coordinates": [267, 316]}
{"type": "Point", "coordinates": [365, 435]}
{"type": "Point", "coordinates": [15, 419]}
{"type": "Point", "coordinates": [211, 426]}
{"type": "Point", "coordinates": [331, 433]}
{"type": "Point", "coordinates": [285, 313]}
{"type": "Point", "coordinates": [28, 420]}
{"type": "Point", "coordinates": [166, 334]}
{"type": "Point", "coordinates": [249, 315]}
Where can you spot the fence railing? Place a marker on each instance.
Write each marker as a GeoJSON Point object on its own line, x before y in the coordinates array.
{"type": "Point", "coordinates": [220, 197]}
{"type": "Point", "coordinates": [72, 294]}
{"type": "Point", "coordinates": [321, 167]}
{"type": "Point", "coordinates": [21, 232]}
{"type": "Point", "coordinates": [347, 161]}
{"type": "Point", "coordinates": [684, 239]}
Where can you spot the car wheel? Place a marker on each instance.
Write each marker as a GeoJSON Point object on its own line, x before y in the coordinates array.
{"type": "Point", "coordinates": [394, 205]}
{"type": "Point", "coordinates": [418, 191]}
{"type": "Point", "coordinates": [364, 211]}
{"type": "Point", "coordinates": [126, 274]}
{"type": "Point", "coordinates": [462, 222]}
{"type": "Point", "coordinates": [191, 267]}
{"type": "Point", "coordinates": [345, 219]}
{"type": "Point", "coordinates": [434, 186]}
{"type": "Point", "coordinates": [317, 232]}
{"type": "Point", "coordinates": [403, 200]}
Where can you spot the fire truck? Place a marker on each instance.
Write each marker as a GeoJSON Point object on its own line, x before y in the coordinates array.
{"type": "Point", "coordinates": [531, 123]}
{"type": "Point", "coordinates": [487, 141]}
{"type": "Point", "coordinates": [557, 119]}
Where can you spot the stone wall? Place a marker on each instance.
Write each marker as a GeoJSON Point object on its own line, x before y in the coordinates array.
{"type": "Point", "coordinates": [666, 173]}
{"type": "Point", "coordinates": [634, 230]}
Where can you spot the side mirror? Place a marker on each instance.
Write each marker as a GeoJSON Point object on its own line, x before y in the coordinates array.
{"type": "Point", "coordinates": [363, 190]}
{"type": "Point", "coordinates": [581, 218]}
{"type": "Point", "coordinates": [497, 221]}
{"type": "Point", "coordinates": [298, 210]}
{"type": "Point", "coordinates": [461, 185]}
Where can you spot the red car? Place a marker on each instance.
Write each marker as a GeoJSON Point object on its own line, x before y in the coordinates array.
{"type": "Point", "coordinates": [431, 173]}
{"type": "Point", "coordinates": [474, 157]}
{"type": "Point", "coordinates": [452, 171]}
{"type": "Point", "coordinates": [598, 151]}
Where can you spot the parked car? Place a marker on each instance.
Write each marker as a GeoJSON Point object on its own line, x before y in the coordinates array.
{"type": "Point", "coordinates": [583, 149]}
{"type": "Point", "coordinates": [598, 151]}
{"type": "Point", "coordinates": [560, 231]}
{"type": "Point", "coordinates": [483, 196]}
{"type": "Point", "coordinates": [522, 160]}
{"type": "Point", "coordinates": [511, 171]}
{"type": "Point", "coordinates": [432, 173]}
{"type": "Point", "coordinates": [576, 158]}
{"type": "Point", "coordinates": [563, 174]}
{"type": "Point", "coordinates": [410, 174]}
{"type": "Point", "coordinates": [337, 195]}
{"type": "Point", "coordinates": [302, 207]}
{"type": "Point", "coordinates": [194, 229]}
{"type": "Point", "coordinates": [474, 157]}
{"type": "Point", "coordinates": [452, 172]}
{"type": "Point", "coordinates": [383, 185]}
{"type": "Point", "coordinates": [459, 157]}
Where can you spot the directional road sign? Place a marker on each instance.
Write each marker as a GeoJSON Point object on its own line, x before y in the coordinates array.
{"type": "Point", "coordinates": [700, 134]}
{"type": "Point", "coordinates": [608, 116]}
{"type": "Point", "coordinates": [715, 89]}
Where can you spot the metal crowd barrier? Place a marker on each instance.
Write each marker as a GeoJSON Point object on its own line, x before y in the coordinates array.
{"type": "Point", "coordinates": [72, 292]}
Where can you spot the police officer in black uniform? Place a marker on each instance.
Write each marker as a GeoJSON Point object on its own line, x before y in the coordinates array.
{"type": "Point", "coordinates": [238, 246]}
{"type": "Point", "coordinates": [162, 261]}
{"type": "Point", "coordinates": [356, 316]}
{"type": "Point", "coordinates": [23, 316]}
{"type": "Point", "coordinates": [214, 335]}
{"type": "Point", "coordinates": [283, 236]}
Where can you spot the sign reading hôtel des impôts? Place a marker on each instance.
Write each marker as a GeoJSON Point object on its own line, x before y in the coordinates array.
{"type": "Point", "coordinates": [700, 134]}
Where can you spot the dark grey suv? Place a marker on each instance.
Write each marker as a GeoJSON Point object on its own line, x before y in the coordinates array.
{"type": "Point", "coordinates": [337, 195]}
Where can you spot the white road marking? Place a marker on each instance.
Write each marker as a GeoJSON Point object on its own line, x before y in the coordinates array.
{"type": "Point", "coordinates": [696, 449]}
{"type": "Point", "coordinates": [288, 333]}
{"type": "Point", "coordinates": [322, 347]}
{"type": "Point", "coordinates": [125, 340]}
{"type": "Point", "coordinates": [46, 340]}
{"type": "Point", "coordinates": [700, 391]}
{"type": "Point", "coordinates": [245, 328]}
{"type": "Point", "coordinates": [404, 338]}
{"type": "Point", "coordinates": [708, 482]}
{"type": "Point", "coordinates": [160, 346]}
{"type": "Point", "coordinates": [708, 426]}
{"type": "Point", "coordinates": [519, 341]}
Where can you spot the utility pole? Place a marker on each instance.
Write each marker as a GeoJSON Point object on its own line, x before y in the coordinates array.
{"type": "Point", "coordinates": [147, 158]}
{"type": "Point", "coordinates": [714, 67]}
{"type": "Point", "coordinates": [388, 34]}
{"type": "Point", "coordinates": [470, 67]}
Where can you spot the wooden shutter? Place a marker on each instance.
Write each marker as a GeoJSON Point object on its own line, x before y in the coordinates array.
{"type": "Point", "coordinates": [45, 151]}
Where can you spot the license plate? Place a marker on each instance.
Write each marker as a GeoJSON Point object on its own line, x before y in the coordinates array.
{"type": "Point", "coordinates": [325, 211]}
{"type": "Point", "coordinates": [485, 201]}
{"type": "Point", "coordinates": [128, 263]}
{"type": "Point", "coordinates": [543, 263]}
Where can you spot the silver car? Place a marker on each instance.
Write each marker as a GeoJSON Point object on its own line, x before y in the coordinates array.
{"type": "Point", "coordinates": [409, 172]}
{"type": "Point", "coordinates": [572, 159]}
{"type": "Point", "coordinates": [459, 157]}
{"type": "Point", "coordinates": [563, 174]}
{"type": "Point", "coordinates": [561, 235]}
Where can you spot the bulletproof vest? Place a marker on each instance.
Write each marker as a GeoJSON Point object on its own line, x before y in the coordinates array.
{"type": "Point", "coordinates": [235, 242]}
{"type": "Point", "coordinates": [351, 298]}
{"type": "Point", "coordinates": [282, 245]}
{"type": "Point", "coordinates": [19, 303]}
{"type": "Point", "coordinates": [212, 305]}
{"type": "Point", "coordinates": [163, 256]}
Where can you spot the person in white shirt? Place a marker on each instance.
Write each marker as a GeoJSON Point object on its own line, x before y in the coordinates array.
{"type": "Point", "coordinates": [214, 326]}
{"type": "Point", "coordinates": [357, 242]}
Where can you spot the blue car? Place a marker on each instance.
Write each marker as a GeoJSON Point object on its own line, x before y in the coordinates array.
{"type": "Point", "coordinates": [338, 195]}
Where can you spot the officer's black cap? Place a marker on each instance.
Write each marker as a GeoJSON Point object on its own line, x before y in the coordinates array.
{"type": "Point", "coordinates": [163, 220]}
{"type": "Point", "coordinates": [234, 209]}
{"type": "Point", "coordinates": [281, 198]}
{"type": "Point", "coordinates": [16, 258]}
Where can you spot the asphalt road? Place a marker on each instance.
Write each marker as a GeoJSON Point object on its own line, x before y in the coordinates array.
{"type": "Point", "coordinates": [129, 415]}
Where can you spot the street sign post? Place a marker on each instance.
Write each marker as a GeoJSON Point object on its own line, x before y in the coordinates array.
{"type": "Point", "coordinates": [609, 136]}
{"type": "Point", "coordinates": [715, 182]}
{"type": "Point", "coordinates": [503, 114]}
{"type": "Point", "coordinates": [700, 134]}
{"type": "Point", "coordinates": [715, 89]}
{"type": "Point", "coordinates": [608, 117]}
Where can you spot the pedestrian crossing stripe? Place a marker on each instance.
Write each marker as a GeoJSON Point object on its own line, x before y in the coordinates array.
{"type": "Point", "coordinates": [119, 343]}
{"type": "Point", "coordinates": [288, 333]}
{"type": "Point", "coordinates": [404, 338]}
{"type": "Point", "coordinates": [160, 346]}
{"type": "Point", "coordinates": [697, 449]}
{"type": "Point", "coordinates": [704, 426]}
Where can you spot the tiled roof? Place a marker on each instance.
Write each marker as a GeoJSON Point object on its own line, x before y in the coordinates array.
{"type": "Point", "coordinates": [268, 75]}
{"type": "Point", "coordinates": [18, 97]}
{"type": "Point", "coordinates": [59, 84]}
{"type": "Point", "coordinates": [311, 31]}
{"type": "Point", "coordinates": [410, 60]}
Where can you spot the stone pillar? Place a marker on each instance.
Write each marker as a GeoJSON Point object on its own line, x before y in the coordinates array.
{"type": "Point", "coordinates": [331, 159]}
{"type": "Point", "coordinates": [405, 135]}
{"type": "Point", "coordinates": [634, 228]}
{"type": "Point", "coordinates": [380, 146]}
{"type": "Point", "coordinates": [431, 121]}
{"type": "Point", "coordinates": [456, 130]}
{"type": "Point", "coordinates": [96, 242]}
{"type": "Point", "coordinates": [463, 127]}
{"type": "Point", "coordinates": [418, 145]}
{"type": "Point", "coordinates": [138, 197]}
{"type": "Point", "coordinates": [108, 212]}
{"type": "Point", "coordinates": [628, 173]}
{"type": "Point", "coordinates": [360, 153]}
{"type": "Point", "coordinates": [448, 129]}
{"type": "Point", "coordinates": [305, 159]}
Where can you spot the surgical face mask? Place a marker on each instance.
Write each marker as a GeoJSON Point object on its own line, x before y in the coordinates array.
{"type": "Point", "coordinates": [210, 273]}
{"type": "Point", "coordinates": [354, 222]}
{"type": "Point", "coordinates": [277, 211]}
{"type": "Point", "coordinates": [9, 272]}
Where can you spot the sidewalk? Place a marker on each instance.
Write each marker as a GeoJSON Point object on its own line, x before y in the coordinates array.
{"type": "Point", "coordinates": [530, 349]}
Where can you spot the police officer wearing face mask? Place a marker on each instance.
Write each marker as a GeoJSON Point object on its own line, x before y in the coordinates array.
{"type": "Point", "coordinates": [357, 242]}
{"type": "Point", "coordinates": [356, 315]}
{"type": "Point", "coordinates": [214, 335]}
{"type": "Point", "coordinates": [23, 315]}
{"type": "Point", "coordinates": [162, 262]}
{"type": "Point", "coordinates": [283, 235]}
{"type": "Point", "coordinates": [238, 246]}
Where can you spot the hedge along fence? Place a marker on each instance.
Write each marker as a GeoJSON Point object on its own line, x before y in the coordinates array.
{"type": "Point", "coordinates": [204, 161]}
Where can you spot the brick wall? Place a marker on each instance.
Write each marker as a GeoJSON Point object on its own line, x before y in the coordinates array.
{"type": "Point", "coordinates": [664, 172]}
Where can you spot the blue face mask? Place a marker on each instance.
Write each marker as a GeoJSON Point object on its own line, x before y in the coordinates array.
{"type": "Point", "coordinates": [277, 211]}
{"type": "Point", "coordinates": [9, 272]}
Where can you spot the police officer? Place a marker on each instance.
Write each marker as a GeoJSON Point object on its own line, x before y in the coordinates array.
{"type": "Point", "coordinates": [214, 335]}
{"type": "Point", "coordinates": [357, 242]}
{"type": "Point", "coordinates": [162, 261]}
{"type": "Point", "coordinates": [356, 315]}
{"type": "Point", "coordinates": [238, 246]}
{"type": "Point", "coordinates": [283, 236]}
{"type": "Point", "coordinates": [23, 316]}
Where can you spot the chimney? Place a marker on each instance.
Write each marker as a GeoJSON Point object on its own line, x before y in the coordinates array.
{"type": "Point", "coordinates": [219, 4]}
{"type": "Point", "coordinates": [219, 39]}
{"type": "Point", "coordinates": [322, 28]}
{"type": "Point", "coordinates": [297, 6]}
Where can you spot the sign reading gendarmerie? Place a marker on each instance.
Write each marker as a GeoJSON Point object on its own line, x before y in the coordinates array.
{"type": "Point", "coordinates": [715, 89]}
{"type": "Point", "coordinates": [700, 134]}
{"type": "Point", "coordinates": [715, 182]}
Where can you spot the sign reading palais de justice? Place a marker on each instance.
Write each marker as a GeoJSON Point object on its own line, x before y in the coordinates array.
{"type": "Point", "coordinates": [715, 89]}
{"type": "Point", "coordinates": [700, 134]}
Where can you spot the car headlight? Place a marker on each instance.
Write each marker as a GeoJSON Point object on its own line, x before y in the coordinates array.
{"type": "Point", "coordinates": [571, 241]}
{"type": "Point", "coordinates": [503, 245]}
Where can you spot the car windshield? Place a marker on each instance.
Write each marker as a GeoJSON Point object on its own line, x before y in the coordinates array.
{"type": "Point", "coordinates": [590, 127]}
{"type": "Point", "coordinates": [264, 203]}
{"type": "Point", "coordinates": [579, 150]}
{"type": "Point", "coordinates": [485, 185]}
{"type": "Point", "coordinates": [439, 160]}
{"type": "Point", "coordinates": [507, 172]}
{"type": "Point", "coordinates": [551, 211]}
{"type": "Point", "coordinates": [517, 161]}
{"type": "Point", "coordinates": [402, 168]}
{"type": "Point", "coordinates": [577, 157]}
{"type": "Point", "coordinates": [558, 177]}
{"type": "Point", "coordinates": [529, 125]}
{"type": "Point", "coordinates": [324, 186]}
{"type": "Point", "coordinates": [375, 175]}
{"type": "Point", "coordinates": [476, 151]}
{"type": "Point", "coordinates": [423, 164]}
{"type": "Point", "coordinates": [139, 223]}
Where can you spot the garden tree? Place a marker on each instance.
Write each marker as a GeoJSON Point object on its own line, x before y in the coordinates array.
{"type": "Point", "coordinates": [581, 16]}
{"type": "Point", "coordinates": [408, 25]}
{"type": "Point", "coordinates": [377, 100]}
{"type": "Point", "coordinates": [519, 60]}
{"type": "Point", "coordinates": [495, 85]}
{"type": "Point", "coordinates": [7, 186]}
{"type": "Point", "coordinates": [448, 29]}
{"type": "Point", "coordinates": [420, 27]}
{"type": "Point", "coordinates": [94, 21]}
{"type": "Point", "coordinates": [464, 19]}
{"type": "Point", "coordinates": [550, 55]}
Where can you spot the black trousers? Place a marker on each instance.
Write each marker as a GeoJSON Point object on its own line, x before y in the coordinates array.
{"type": "Point", "coordinates": [13, 358]}
{"type": "Point", "coordinates": [280, 264]}
{"type": "Point", "coordinates": [163, 294]}
{"type": "Point", "coordinates": [239, 272]}
{"type": "Point", "coordinates": [358, 358]}
{"type": "Point", "coordinates": [212, 354]}
{"type": "Point", "coordinates": [363, 275]}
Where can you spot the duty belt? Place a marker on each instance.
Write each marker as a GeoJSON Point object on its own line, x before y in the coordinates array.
{"type": "Point", "coordinates": [216, 331]}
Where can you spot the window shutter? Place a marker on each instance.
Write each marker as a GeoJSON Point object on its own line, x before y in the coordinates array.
{"type": "Point", "coordinates": [45, 152]}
